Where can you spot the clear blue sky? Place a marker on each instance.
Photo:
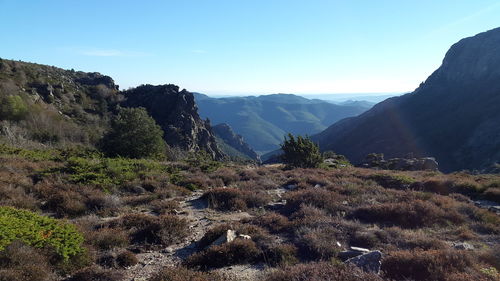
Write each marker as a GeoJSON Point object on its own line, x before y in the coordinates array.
{"type": "Point", "coordinates": [246, 46]}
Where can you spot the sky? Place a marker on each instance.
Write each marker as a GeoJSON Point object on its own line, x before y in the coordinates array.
{"type": "Point", "coordinates": [223, 47]}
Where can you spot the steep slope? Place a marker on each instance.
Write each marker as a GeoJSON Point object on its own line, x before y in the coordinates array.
{"type": "Point", "coordinates": [176, 112]}
{"type": "Point", "coordinates": [42, 104]}
{"type": "Point", "coordinates": [264, 120]}
{"type": "Point", "coordinates": [240, 149]}
{"type": "Point", "coordinates": [453, 116]}
{"type": "Point", "coordinates": [46, 104]}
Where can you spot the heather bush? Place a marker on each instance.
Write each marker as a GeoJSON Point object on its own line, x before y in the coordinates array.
{"type": "Point", "coordinates": [65, 202]}
{"type": "Point", "coordinates": [320, 272]}
{"type": "Point", "coordinates": [273, 222]}
{"type": "Point", "coordinates": [319, 243]}
{"type": "Point", "coordinates": [233, 199]}
{"type": "Point", "coordinates": [126, 259]}
{"type": "Point", "coordinates": [20, 262]}
{"type": "Point", "coordinates": [164, 229]}
{"type": "Point", "coordinates": [239, 251]}
{"type": "Point", "coordinates": [108, 238]}
{"type": "Point", "coordinates": [281, 255]}
{"type": "Point", "coordinates": [492, 194]}
{"type": "Point", "coordinates": [432, 265]}
{"type": "Point", "coordinates": [413, 214]}
{"type": "Point", "coordinates": [257, 233]}
{"type": "Point", "coordinates": [96, 274]}
{"type": "Point", "coordinates": [183, 274]}
{"type": "Point", "coordinates": [317, 197]}
{"type": "Point", "coordinates": [227, 175]}
{"type": "Point", "coordinates": [392, 180]}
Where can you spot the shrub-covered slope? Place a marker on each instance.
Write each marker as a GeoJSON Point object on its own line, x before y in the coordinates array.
{"type": "Point", "coordinates": [48, 105]}
{"type": "Point", "coordinates": [140, 219]}
{"type": "Point", "coordinates": [45, 104]}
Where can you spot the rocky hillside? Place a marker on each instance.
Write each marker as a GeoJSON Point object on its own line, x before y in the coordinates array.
{"type": "Point", "coordinates": [47, 105]}
{"type": "Point", "coordinates": [453, 116]}
{"type": "Point", "coordinates": [176, 112]}
{"type": "Point", "coordinates": [240, 149]}
{"type": "Point", "coordinates": [264, 120]}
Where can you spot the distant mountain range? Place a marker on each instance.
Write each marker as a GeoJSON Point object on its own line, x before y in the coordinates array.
{"type": "Point", "coordinates": [453, 116]}
{"type": "Point", "coordinates": [264, 120]}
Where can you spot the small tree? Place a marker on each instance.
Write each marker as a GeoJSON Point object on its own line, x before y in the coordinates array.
{"type": "Point", "coordinates": [300, 152]}
{"type": "Point", "coordinates": [134, 134]}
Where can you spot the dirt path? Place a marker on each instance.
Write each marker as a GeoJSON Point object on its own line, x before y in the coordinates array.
{"type": "Point", "coordinates": [200, 220]}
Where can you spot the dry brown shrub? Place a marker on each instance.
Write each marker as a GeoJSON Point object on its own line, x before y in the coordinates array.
{"type": "Point", "coordinates": [432, 265]}
{"type": "Point", "coordinates": [411, 214]}
{"type": "Point", "coordinates": [320, 198]}
{"type": "Point", "coordinates": [272, 221]}
{"type": "Point", "coordinates": [66, 202]}
{"type": "Point", "coordinates": [258, 234]}
{"type": "Point", "coordinates": [96, 274]}
{"type": "Point", "coordinates": [239, 251]}
{"type": "Point", "coordinates": [281, 255]}
{"type": "Point", "coordinates": [137, 200]}
{"type": "Point", "coordinates": [16, 196]}
{"type": "Point", "coordinates": [227, 175]}
{"type": "Point", "coordinates": [320, 272]}
{"type": "Point", "coordinates": [183, 274]}
{"type": "Point", "coordinates": [149, 229]}
{"type": "Point", "coordinates": [233, 199]}
{"type": "Point", "coordinates": [319, 243]}
{"type": "Point", "coordinates": [126, 259]}
{"type": "Point", "coordinates": [492, 194]}
{"type": "Point", "coordinates": [108, 238]}
{"type": "Point", "coordinates": [248, 174]}
{"type": "Point", "coordinates": [19, 262]}
{"type": "Point", "coordinates": [164, 206]}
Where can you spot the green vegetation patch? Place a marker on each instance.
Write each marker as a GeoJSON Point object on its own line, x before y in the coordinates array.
{"type": "Point", "coordinates": [110, 171]}
{"type": "Point", "coordinates": [39, 232]}
{"type": "Point", "coordinates": [33, 155]}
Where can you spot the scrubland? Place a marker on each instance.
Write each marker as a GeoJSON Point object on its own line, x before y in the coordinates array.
{"type": "Point", "coordinates": [74, 214]}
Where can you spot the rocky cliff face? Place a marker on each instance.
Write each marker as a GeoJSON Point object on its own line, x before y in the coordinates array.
{"type": "Point", "coordinates": [453, 116]}
{"type": "Point", "coordinates": [226, 133]}
{"type": "Point", "coordinates": [176, 112]}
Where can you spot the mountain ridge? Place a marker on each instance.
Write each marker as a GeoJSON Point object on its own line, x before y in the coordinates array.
{"type": "Point", "coordinates": [449, 116]}
{"type": "Point", "coordinates": [264, 120]}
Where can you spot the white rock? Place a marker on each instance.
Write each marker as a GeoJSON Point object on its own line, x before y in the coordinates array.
{"type": "Point", "coordinates": [227, 237]}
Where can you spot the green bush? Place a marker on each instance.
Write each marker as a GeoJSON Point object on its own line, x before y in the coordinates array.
{"type": "Point", "coordinates": [12, 108]}
{"type": "Point", "coordinates": [39, 232]}
{"type": "Point", "coordinates": [108, 172]}
{"type": "Point", "coordinates": [300, 152]}
{"type": "Point", "coordinates": [134, 134]}
{"type": "Point", "coordinates": [34, 155]}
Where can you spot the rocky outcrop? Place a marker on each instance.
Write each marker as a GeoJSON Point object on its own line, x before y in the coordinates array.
{"type": "Point", "coordinates": [61, 106]}
{"type": "Point", "coordinates": [377, 161]}
{"type": "Point", "coordinates": [368, 262]}
{"type": "Point", "coordinates": [453, 116]}
{"type": "Point", "coordinates": [176, 112]}
{"type": "Point", "coordinates": [226, 133]}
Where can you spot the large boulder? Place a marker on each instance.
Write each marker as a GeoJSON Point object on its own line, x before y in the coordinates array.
{"type": "Point", "coordinates": [369, 262]}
